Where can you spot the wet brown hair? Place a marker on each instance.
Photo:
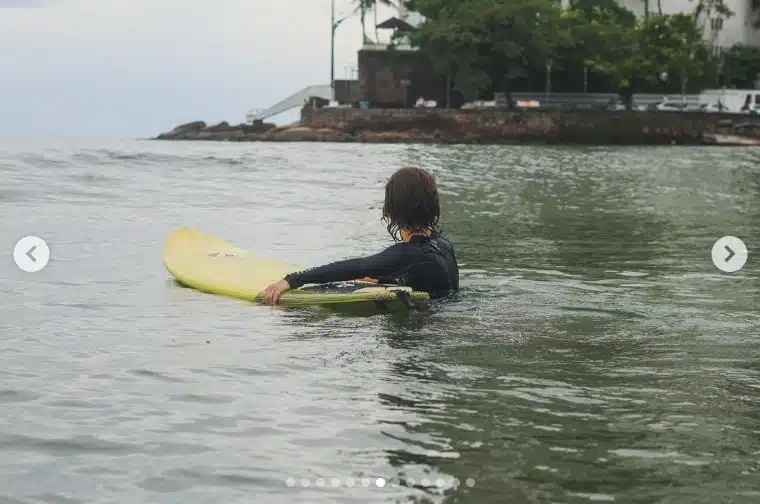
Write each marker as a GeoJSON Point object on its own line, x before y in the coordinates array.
{"type": "Point", "coordinates": [411, 202]}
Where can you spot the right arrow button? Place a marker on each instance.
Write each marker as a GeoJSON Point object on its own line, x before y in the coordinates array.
{"type": "Point", "coordinates": [737, 254]}
{"type": "Point", "coordinates": [730, 253]}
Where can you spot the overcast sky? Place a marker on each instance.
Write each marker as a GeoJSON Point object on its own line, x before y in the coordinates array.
{"type": "Point", "coordinates": [140, 67]}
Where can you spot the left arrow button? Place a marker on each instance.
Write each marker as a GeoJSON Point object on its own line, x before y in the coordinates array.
{"type": "Point", "coordinates": [31, 254]}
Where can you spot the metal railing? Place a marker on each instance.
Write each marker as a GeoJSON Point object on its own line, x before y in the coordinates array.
{"type": "Point", "coordinates": [601, 99]}
{"type": "Point", "coordinates": [295, 100]}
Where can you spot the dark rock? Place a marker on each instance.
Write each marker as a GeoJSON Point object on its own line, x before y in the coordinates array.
{"type": "Point", "coordinates": [301, 134]}
{"type": "Point", "coordinates": [222, 126]}
{"type": "Point", "coordinates": [182, 131]}
{"type": "Point", "coordinates": [260, 126]}
{"type": "Point", "coordinates": [191, 126]}
{"type": "Point", "coordinates": [223, 131]}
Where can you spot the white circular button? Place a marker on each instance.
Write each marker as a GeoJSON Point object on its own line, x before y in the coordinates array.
{"type": "Point", "coordinates": [31, 254]}
{"type": "Point", "coordinates": [729, 254]}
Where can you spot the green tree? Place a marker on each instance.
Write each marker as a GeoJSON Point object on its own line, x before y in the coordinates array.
{"type": "Point", "coordinates": [484, 44]}
{"type": "Point", "coordinates": [640, 54]}
{"type": "Point", "coordinates": [365, 6]}
{"type": "Point", "coordinates": [710, 7]}
{"type": "Point", "coordinates": [591, 25]}
{"type": "Point", "coordinates": [675, 46]}
{"type": "Point", "coordinates": [606, 36]}
{"type": "Point", "coordinates": [741, 66]}
{"type": "Point", "coordinates": [601, 11]}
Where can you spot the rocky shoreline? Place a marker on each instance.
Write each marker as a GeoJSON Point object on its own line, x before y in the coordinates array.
{"type": "Point", "coordinates": [266, 132]}
{"type": "Point", "coordinates": [482, 127]}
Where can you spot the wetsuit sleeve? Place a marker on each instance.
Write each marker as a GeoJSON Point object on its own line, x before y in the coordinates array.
{"type": "Point", "coordinates": [381, 264]}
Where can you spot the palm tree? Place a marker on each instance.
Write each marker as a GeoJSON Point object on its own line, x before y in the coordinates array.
{"type": "Point", "coordinates": [708, 7]}
{"type": "Point", "coordinates": [363, 7]}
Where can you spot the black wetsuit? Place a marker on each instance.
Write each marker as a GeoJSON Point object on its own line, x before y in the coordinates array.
{"type": "Point", "coordinates": [423, 263]}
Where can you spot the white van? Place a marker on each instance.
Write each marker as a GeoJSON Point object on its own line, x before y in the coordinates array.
{"type": "Point", "coordinates": [737, 101]}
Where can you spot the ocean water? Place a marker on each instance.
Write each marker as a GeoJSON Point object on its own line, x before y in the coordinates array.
{"type": "Point", "coordinates": [595, 353]}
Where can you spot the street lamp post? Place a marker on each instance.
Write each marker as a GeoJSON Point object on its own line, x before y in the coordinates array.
{"type": "Point", "coordinates": [333, 26]}
{"type": "Point", "coordinates": [585, 79]}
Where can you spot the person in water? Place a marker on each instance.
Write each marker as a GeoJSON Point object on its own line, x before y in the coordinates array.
{"type": "Point", "coordinates": [421, 259]}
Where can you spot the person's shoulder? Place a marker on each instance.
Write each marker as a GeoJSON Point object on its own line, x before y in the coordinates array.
{"type": "Point", "coordinates": [397, 248]}
{"type": "Point", "coordinates": [397, 245]}
{"type": "Point", "coordinates": [442, 240]}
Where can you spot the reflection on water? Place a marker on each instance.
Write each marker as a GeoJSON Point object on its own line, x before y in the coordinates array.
{"type": "Point", "coordinates": [594, 354]}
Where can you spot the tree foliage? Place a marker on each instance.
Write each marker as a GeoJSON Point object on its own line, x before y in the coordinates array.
{"type": "Point", "coordinates": [741, 66]}
{"type": "Point", "coordinates": [646, 51]}
{"type": "Point", "coordinates": [484, 45]}
{"type": "Point", "coordinates": [674, 44]}
{"type": "Point", "coordinates": [606, 40]}
{"type": "Point", "coordinates": [710, 8]}
{"type": "Point", "coordinates": [365, 6]}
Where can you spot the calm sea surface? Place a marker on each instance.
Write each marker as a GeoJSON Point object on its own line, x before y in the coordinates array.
{"type": "Point", "coordinates": [595, 354]}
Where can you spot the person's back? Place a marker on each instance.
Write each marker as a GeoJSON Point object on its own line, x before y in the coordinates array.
{"type": "Point", "coordinates": [452, 267]}
{"type": "Point", "coordinates": [423, 259]}
{"type": "Point", "coordinates": [423, 263]}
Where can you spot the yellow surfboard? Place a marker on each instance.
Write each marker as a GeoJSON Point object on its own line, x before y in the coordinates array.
{"type": "Point", "coordinates": [207, 264]}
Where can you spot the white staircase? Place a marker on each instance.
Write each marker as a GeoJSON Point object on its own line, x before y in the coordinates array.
{"type": "Point", "coordinates": [296, 100]}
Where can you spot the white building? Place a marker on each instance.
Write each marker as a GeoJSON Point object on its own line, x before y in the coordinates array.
{"type": "Point", "coordinates": [737, 29]}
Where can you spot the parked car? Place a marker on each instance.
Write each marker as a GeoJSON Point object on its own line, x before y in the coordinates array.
{"type": "Point", "coordinates": [667, 106]}
{"type": "Point", "coordinates": [712, 108]}
{"type": "Point", "coordinates": [617, 104]}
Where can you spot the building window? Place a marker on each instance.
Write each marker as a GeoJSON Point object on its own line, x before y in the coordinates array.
{"type": "Point", "coordinates": [716, 24]}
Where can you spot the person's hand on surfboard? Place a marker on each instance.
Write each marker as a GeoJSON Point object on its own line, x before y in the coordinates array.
{"type": "Point", "coordinates": [273, 291]}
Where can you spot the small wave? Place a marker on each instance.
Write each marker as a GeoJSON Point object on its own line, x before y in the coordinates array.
{"type": "Point", "coordinates": [228, 161]}
{"type": "Point", "coordinates": [108, 155]}
{"type": "Point", "coordinates": [74, 445]}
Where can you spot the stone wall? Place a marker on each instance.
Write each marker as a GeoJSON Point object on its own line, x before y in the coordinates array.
{"type": "Point", "coordinates": [504, 126]}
